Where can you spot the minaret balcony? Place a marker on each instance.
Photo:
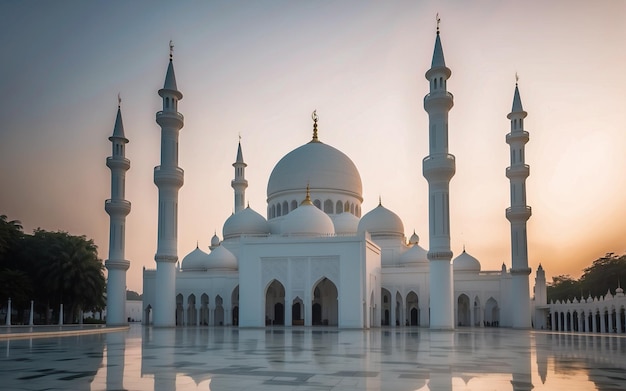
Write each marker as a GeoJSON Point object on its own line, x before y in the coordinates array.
{"type": "Point", "coordinates": [518, 171]}
{"type": "Point", "coordinates": [518, 213]}
{"type": "Point", "coordinates": [517, 136]}
{"type": "Point", "coordinates": [174, 176]}
{"type": "Point", "coordinates": [117, 207]}
{"type": "Point", "coordinates": [439, 167]}
{"type": "Point", "coordinates": [116, 162]}
{"type": "Point", "coordinates": [438, 99]}
{"type": "Point", "coordinates": [170, 118]}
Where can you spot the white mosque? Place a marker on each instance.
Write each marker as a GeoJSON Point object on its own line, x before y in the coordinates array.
{"type": "Point", "coordinates": [316, 258]}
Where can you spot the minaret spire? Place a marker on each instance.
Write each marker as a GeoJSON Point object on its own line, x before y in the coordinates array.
{"type": "Point", "coordinates": [519, 213]}
{"type": "Point", "coordinates": [168, 178]}
{"type": "Point", "coordinates": [438, 169]}
{"type": "Point", "coordinates": [118, 208]}
{"type": "Point", "coordinates": [239, 184]}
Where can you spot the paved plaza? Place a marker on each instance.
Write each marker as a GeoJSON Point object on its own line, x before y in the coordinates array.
{"type": "Point", "coordinates": [301, 359]}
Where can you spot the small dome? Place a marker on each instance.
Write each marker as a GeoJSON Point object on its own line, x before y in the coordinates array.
{"type": "Point", "coordinates": [346, 223]}
{"type": "Point", "coordinates": [466, 263]}
{"type": "Point", "coordinates": [307, 219]}
{"type": "Point", "coordinates": [380, 221]}
{"type": "Point", "coordinates": [415, 255]}
{"type": "Point", "coordinates": [215, 240]}
{"type": "Point", "coordinates": [195, 260]}
{"type": "Point", "coordinates": [245, 222]}
{"type": "Point", "coordinates": [221, 259]}
{"type": "Point", "coordinates": [414, 239]}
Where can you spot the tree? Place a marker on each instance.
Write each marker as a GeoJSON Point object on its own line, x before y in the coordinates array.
{"type": "Point", "coordinates": [10, 235]}
{"type": "Point", "coordinates": [604, 273]}
{"type": "Point", "coordinates": [563, 287]}
{"type": "Point", "coordinates": [73, 274]}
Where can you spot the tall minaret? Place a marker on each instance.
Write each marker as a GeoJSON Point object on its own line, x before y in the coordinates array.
{"type": "Point", "coordinates": [169, 178]}
{"type": "Point", "coordinates": [438, 169]}
{"type": "Point", "coordinates": [117, 208]}
{"type": "Point", "coordinates": [518, 214]}
{"type": "Point", "coordinates": [240, 183]}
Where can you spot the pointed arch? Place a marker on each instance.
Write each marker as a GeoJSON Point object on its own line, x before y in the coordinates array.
{"type": "Point", "coordinates": [204, 309]}
{"type": "Point", "coordinates": [463, 310]}
{"type": "Point", "coordinates": [385, 307]}
{"type": "Point", "coordinates": [285, 208]}
{"type": "Point", "coordinates": [328, 207]}
{"type": "Point", "coordinates": [412, 309]}
{"type": "Point", "coordinates": [297, 312]}
{"type": "Point", "coordinates": [179, 310]}
{"type": "Point", "coordinates": [339, 207]}
{"type": "Point", "coordinates": [234, 300]}
{"type": "Point", "coordinates": [492, 313]}
{"type": "Point", "coordinates": [191, 310]}
{"type": "Point", "coordinates": [399, 303]}
{"type": "Point", "coordinates": [274, 303]}
{"type": "Point", "coordinates": [219, 311]}
{"type": "Point", "coordinates": [324, 306]}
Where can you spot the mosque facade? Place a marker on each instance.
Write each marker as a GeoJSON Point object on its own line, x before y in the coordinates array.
{"type": "Point", "coordinates": [316, 258]}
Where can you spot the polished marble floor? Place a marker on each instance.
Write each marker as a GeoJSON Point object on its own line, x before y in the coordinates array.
{"type": "Point", "coordinates": [315, 359]}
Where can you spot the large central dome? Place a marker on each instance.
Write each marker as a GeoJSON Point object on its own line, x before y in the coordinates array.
{"type": "Point", "coordinates": [319, 165]}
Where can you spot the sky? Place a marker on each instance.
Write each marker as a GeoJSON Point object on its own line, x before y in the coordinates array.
{"type": "Point", "coordinates": [258, 69]}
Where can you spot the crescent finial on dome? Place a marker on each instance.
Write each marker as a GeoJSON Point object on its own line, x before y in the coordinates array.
{"type": "Point", "coordinates": [307, 199]}
{"type": "Point", "coordinates": [315, 118]}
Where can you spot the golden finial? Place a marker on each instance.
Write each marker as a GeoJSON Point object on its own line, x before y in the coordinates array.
{"type": "Point", "coordinates": [307, 199]}
{"type": "Point", "coordinates": [119, 100]}
{"type": "Point", "coordinates": [380, 200]}
{"type": "Point", "coordinates": [314, 117]}
{"type": "Point", "coordinates": [438, 21]}
{"type": "Point", "coordinates": [240, 137]}
{"type": "Point", "coordinates": [171, 49]}
{"type": "Point", "coordinates": [516, 78]}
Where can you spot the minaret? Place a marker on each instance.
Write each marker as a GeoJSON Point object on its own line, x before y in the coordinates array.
{"type": "Point", "coordinates": [438, 169]}
{"type": "Point", "coordinates": [169, 178]}
{"type": "Point", "coordinates": [117, 208]}
{"type": "Point", "coordinates": [240, 183]}
{"type": "Point", "coordinates": [518, 214]}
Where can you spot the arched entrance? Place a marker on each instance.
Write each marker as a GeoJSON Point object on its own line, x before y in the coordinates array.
{"type": "Point", "coordinates": [234, 299]}
{"type": "Point", "coordinates": [275, 304]}
{"type": "Point", "coordinates": [324, 308]}
{"type": "Point", "coordinates": [219, 311]}
{"type": "Point", "coordinates": [463, 311]}
{"type": "Point", "coordinates": [204, 309]}
{"type": "Point", "coordinates": [191, 310]}
{"type": "Point", "coordinates": [385, 307]}
{"type": "Point", "coordinates": [297, 312]}
{"type": "Point", "coordinates": [180, 313]}
{"type": "Point", "coordinates": [399, 316]}
{"type": "Point", "coordinates": [412, 309]}
{"type": "Point", "coordinates": [492, 313]}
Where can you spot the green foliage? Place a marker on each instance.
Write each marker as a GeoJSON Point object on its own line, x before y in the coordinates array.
{"type": "Point", "coordinates": [132, 295]}
{"type": "Point", "coordinates": [603, 275]}
{"type": "Point", "coordinates": [50, 268]}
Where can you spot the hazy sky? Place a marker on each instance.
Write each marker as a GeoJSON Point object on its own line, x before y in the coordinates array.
{"type": "Point", "coordinates": [260, 68]}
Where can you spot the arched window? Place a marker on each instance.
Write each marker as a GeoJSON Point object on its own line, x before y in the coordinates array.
{"type": "Point", "coordinates": [318, 204]}
{"type": "Point", "coordinates": [273, 212]}
{"type": "Point", "coordinates": [352, 208]}
{"type": "Point", "coordinates": [328, 207]}
{"type": "Point", "coordinates": [358, 211]}
{"type": "Point", "coordinates": [346, 207]}
{"type": "Point", "coordinates": [339, 207]}
{"type": "Point", "coordinates": [278, 210]}
{"type": "Point", "coordinates": [167, 103]}
{"type": "Point", "coordinates": [285, 208]}
{"type": "Point", "coordinates": [294, 205]}
{"type": "Point", "coordinates": [435, 83]}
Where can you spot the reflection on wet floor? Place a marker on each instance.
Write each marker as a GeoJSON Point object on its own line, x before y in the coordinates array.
{"type": "Point", "coordinates": [315, 359]}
